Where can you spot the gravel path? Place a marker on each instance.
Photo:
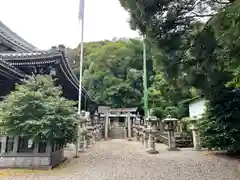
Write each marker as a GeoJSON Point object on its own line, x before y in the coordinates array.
{"type": "Point", "coordinates": [123, 160]}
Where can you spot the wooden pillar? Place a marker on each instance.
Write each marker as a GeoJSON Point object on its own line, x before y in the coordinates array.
{"type": "Point", "coordinates": [129, 125]}
{"type": "Point", "coordinates": [4, 143]}
{"type": "Point", "coordinates": [106, 125]}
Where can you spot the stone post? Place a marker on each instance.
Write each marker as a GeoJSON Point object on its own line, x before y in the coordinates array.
{"type": "Point", "coordinates": [49, 147]}
{"type": "Point", "coordinates": [138, 137]}
{"type": "Point", "coordinates": [141, 138]}
{"type": "Point", "coordinates": [15, 145]}
{"type": "Point", "coordinates": [129, 125]}
{"type": "Point", "coordinates": [4, 143]}
{"type": "Point", "coordinates": [106, 126]}
{"type": "Point", "coordinates": [82, 143]}
{"type": "Point", "coordinates": [181, 126]}
{"type": "Point", "coordinates": [196, 138]}
{"type": "Point", "coordinates": [83, 134]}
{"type": "Point", "coordinates": [171, 140]}
{"type": "Point", "coordinates": [145, 138]}
{"type": "Point", "coordinates": [36, 146]}
{"type": "Point", "coordinates": [109, 122]}
{"type": "Point", "coordinates": [94, 136]}
{"type": "Point", "coordinates": [125, 127]}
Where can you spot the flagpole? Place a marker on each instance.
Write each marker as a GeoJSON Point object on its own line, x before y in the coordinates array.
{"type": "Point", "coordinates": [81, 19]}
{"type": "Point", "coordinates": [145, 89]}
{"type": "Point", "coordinates": [81, 66]}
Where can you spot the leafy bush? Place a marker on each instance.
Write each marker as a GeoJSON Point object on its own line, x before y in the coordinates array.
{"type": "Point", "coordinates": [220, 127]}
{"type": "Point", "coordinates": [36, 109]}
{"type": "Point", "coordinates": [186, 126]}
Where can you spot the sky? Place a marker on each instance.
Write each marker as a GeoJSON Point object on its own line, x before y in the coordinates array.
{"type": "Point", "coordinates": [47, 23]}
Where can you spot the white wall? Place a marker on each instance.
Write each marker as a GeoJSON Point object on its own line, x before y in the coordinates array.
{"type": "Point", "coordinates": [197, 108]}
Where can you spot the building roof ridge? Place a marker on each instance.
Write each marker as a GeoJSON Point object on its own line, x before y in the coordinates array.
{"type": "Point", "coordinates": [33, 53]}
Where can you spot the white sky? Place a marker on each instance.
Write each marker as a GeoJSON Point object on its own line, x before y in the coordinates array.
{"type": "Point", "coordinates": [46, 23]}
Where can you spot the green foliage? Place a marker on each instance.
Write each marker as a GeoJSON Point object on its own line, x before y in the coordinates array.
{"type": "Point", "coordinates": [220, 127]}
{"type": "Point", "coordinates": [113, 76]}
{"type": "Point", "coordinates": [172, 26]}
{"type": "Point", "coordinates": [217, 53]}
{"type": "Point", "coordinates": [204, 56]}
{"type": "Point", "coordinates": [158, 112]}
{"type": "Point", "coordinates": [167, 99]}
{"type": "Point", "coordinates": [235, 82]}
{"type": "Point", "coordinates": [113, 71]}
{"type": "Point", "coordinates": [37, 110]}
{"type": "Point", "coordinates": [186, 124]}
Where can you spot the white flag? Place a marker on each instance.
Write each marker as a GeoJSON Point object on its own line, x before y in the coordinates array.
{"type": "Point", "coordinates": [81, 10]}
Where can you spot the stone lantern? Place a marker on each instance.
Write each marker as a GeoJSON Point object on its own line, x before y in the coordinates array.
{"type": "Point", "coordinates": [195, 134]}
{"type": "Point", "coordinates": [170, 125]}
{"type": "Point", "coordinates": [151, 131]}
{"type": "Point", "coordinates": [152, 123]}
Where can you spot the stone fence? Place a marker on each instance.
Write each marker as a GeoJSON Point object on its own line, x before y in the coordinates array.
{"type": "Point", "coordinates": [22, 152]}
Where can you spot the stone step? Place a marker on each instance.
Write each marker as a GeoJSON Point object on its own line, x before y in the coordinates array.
{"type": "Point", "coordinates": [117, 133]}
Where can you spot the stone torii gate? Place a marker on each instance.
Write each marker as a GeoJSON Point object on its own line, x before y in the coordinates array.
{"type": "Point", "coordinates": [118, 119]}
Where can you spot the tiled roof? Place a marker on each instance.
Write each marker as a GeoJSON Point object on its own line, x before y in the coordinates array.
{"type": "Point", "coordinates": [11, 36]}
{"type": "Point", "coordinates": [29, 54]}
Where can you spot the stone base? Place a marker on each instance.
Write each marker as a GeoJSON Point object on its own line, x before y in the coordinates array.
{"type": "Point", "coordinates": [130, 139]}
{"type": "Point", "coordinates": [152, 151]}
{"type": "Point", "coordinates": [137, 139]}
{"type": "Point", "coordinates": [82, 150]}
{"type": "Point", "coordinates": [173, 149]}
{"type": "Point", "coordinates": [38, 163]}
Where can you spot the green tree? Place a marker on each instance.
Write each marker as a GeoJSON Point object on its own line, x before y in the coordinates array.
{"type": "Point", "coordinates": [113, 71]}
{"type": "Point", "coordinates": [113, 76]}
{"type": "Point", "coordinates": [36, 109]}
{"type": "Point", "coordinates": [205, 56]}
{"type": "Point", "coordinates": [168, 24]}
{"type": "Point", "coordinates": [220, 38]}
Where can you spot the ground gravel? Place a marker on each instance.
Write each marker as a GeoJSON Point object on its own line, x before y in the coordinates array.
{"type": "Point", "coordinates": [127, 160]}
